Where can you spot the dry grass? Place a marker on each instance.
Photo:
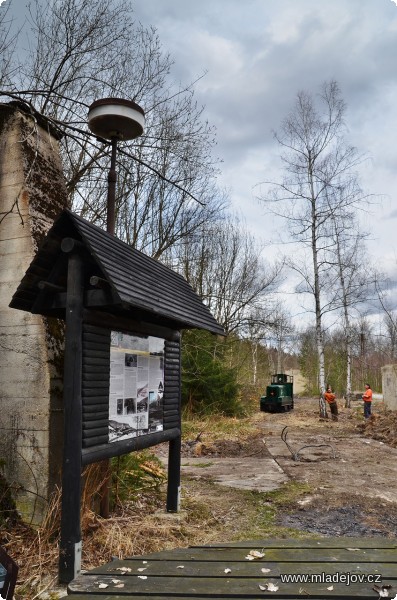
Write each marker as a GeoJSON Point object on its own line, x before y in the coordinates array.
{"type": "Point", "coordinates": [137, 526]}
{"type": "Point", "coordinates": [218, 427]}
{"type": "Point", "coordinates": [36, 550]}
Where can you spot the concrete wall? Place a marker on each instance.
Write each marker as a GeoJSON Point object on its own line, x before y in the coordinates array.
{"type": "Point", "coordinates": [32, 192]}
{"type": "Point", "coordinates": [389, 386]}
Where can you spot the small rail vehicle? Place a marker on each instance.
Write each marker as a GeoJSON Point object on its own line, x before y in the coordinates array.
{"type": "Point", "coordinates": [279, 394]}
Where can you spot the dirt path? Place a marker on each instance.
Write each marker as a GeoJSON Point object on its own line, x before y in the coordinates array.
{"type": "Point", "coordinates": [352, 478]}
{"type": "Point", "coordinates": [362, 465]}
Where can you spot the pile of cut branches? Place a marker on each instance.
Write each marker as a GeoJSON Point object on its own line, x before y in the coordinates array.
{"type": "Point", "coordinates": [382, 427]}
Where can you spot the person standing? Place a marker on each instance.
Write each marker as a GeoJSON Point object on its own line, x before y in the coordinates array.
{"type": "Point", "coordinates": [331, 399]}
{"type": "Point", "coordinates": [367, 397]}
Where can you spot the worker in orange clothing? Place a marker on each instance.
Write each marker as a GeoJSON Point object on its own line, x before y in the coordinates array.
{"type": "Point", "coordinates": [330, 397]}
{"type": "Point", "coordinates": [367, 397]}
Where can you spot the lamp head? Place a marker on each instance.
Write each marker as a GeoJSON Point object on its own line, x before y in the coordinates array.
{"type": "Point", "coordinates": [111, 118]}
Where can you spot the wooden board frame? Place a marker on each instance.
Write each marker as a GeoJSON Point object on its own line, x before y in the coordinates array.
{"type": "Point", "coordinates": [95, 395]}
{"type": "Point", "coordinates": [89, 278]}
{"type": "Point", "coordinates": [86, 405]}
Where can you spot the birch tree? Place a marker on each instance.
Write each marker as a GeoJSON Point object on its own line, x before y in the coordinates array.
{"type": "Point", "coordinates": [351, 280]}
{"type": "Point", "coordinates": [317, 162]}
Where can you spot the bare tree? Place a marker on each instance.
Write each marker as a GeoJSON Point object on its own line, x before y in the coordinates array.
{"type": "Point", "coordinates": [224, 266]}
{"type": "Point", "coordinates": [384, 288]}
{"type": "Point", "coordinates": [282, 332]}
{"type": "Point", "coordinates": [350, 278]}
{"type": "Point", "coordinates": [7, 44]}
{"type": "Point", "coordinates": [390, 324]}
{"type": "Point", "coordinates": [365, 348]}
{"type": "Point", "coordinates": [82, 51]}
{"type": "Point", "coordinates": [317, 163]}
{"type": "Point", "coordinates": [155, 215]}
{"type": "Point", "coordinates": [257, 331]}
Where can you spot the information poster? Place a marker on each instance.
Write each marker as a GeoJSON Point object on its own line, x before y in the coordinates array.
{"type": "Point", "coordinates": [136, 385]}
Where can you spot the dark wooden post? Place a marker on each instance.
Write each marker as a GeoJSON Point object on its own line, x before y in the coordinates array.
{"type": "Point", "coordinates": [174, 457]}
{"type": "Point", "coordinates": [70, 544]}
{"type": "Point", "coordinates": [106, 465]}
{"type": "Point", "coordinates": [174, 475]}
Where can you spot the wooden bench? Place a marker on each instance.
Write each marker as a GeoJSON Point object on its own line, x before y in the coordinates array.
{"type": "Point", "coordinates": [224, 571]}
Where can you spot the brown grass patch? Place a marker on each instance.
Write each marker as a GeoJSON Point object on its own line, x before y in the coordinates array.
{"type": "Point", "coordinates": [137, 526]}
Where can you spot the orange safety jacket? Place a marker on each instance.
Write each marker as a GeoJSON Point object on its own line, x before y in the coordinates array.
{"type": "Point", "coordinates": [367, 397]}
{"type": "Point", "coordinates": [329, 397]}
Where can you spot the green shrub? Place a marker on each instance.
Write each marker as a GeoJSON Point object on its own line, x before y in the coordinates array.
{"type": "Point", "coordinates": [209, 385]}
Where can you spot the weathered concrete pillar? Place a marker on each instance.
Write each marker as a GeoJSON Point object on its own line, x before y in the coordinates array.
{"type": "Point", "coordinates": [389, 386]}
{"type": "Point", "coordinates": [32, 192]}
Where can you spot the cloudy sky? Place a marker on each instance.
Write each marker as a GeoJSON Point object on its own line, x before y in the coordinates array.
{"type": "Point", "coordinates": [255, 56]}
{"type": "Point", "coordinates": [258, 54]}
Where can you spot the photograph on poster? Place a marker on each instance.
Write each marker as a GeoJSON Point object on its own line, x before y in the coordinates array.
{"type": "Point", "coordinates": [136, 385]}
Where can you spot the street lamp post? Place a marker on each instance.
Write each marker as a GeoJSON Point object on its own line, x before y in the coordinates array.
{"type": "Point", "coordinates": [111, 201]}
{"type": "Point", "coordinates": [115, 119]}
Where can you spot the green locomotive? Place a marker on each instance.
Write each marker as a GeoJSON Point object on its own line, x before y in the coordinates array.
{"type": "Point", "coordinates": [279, 394]}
